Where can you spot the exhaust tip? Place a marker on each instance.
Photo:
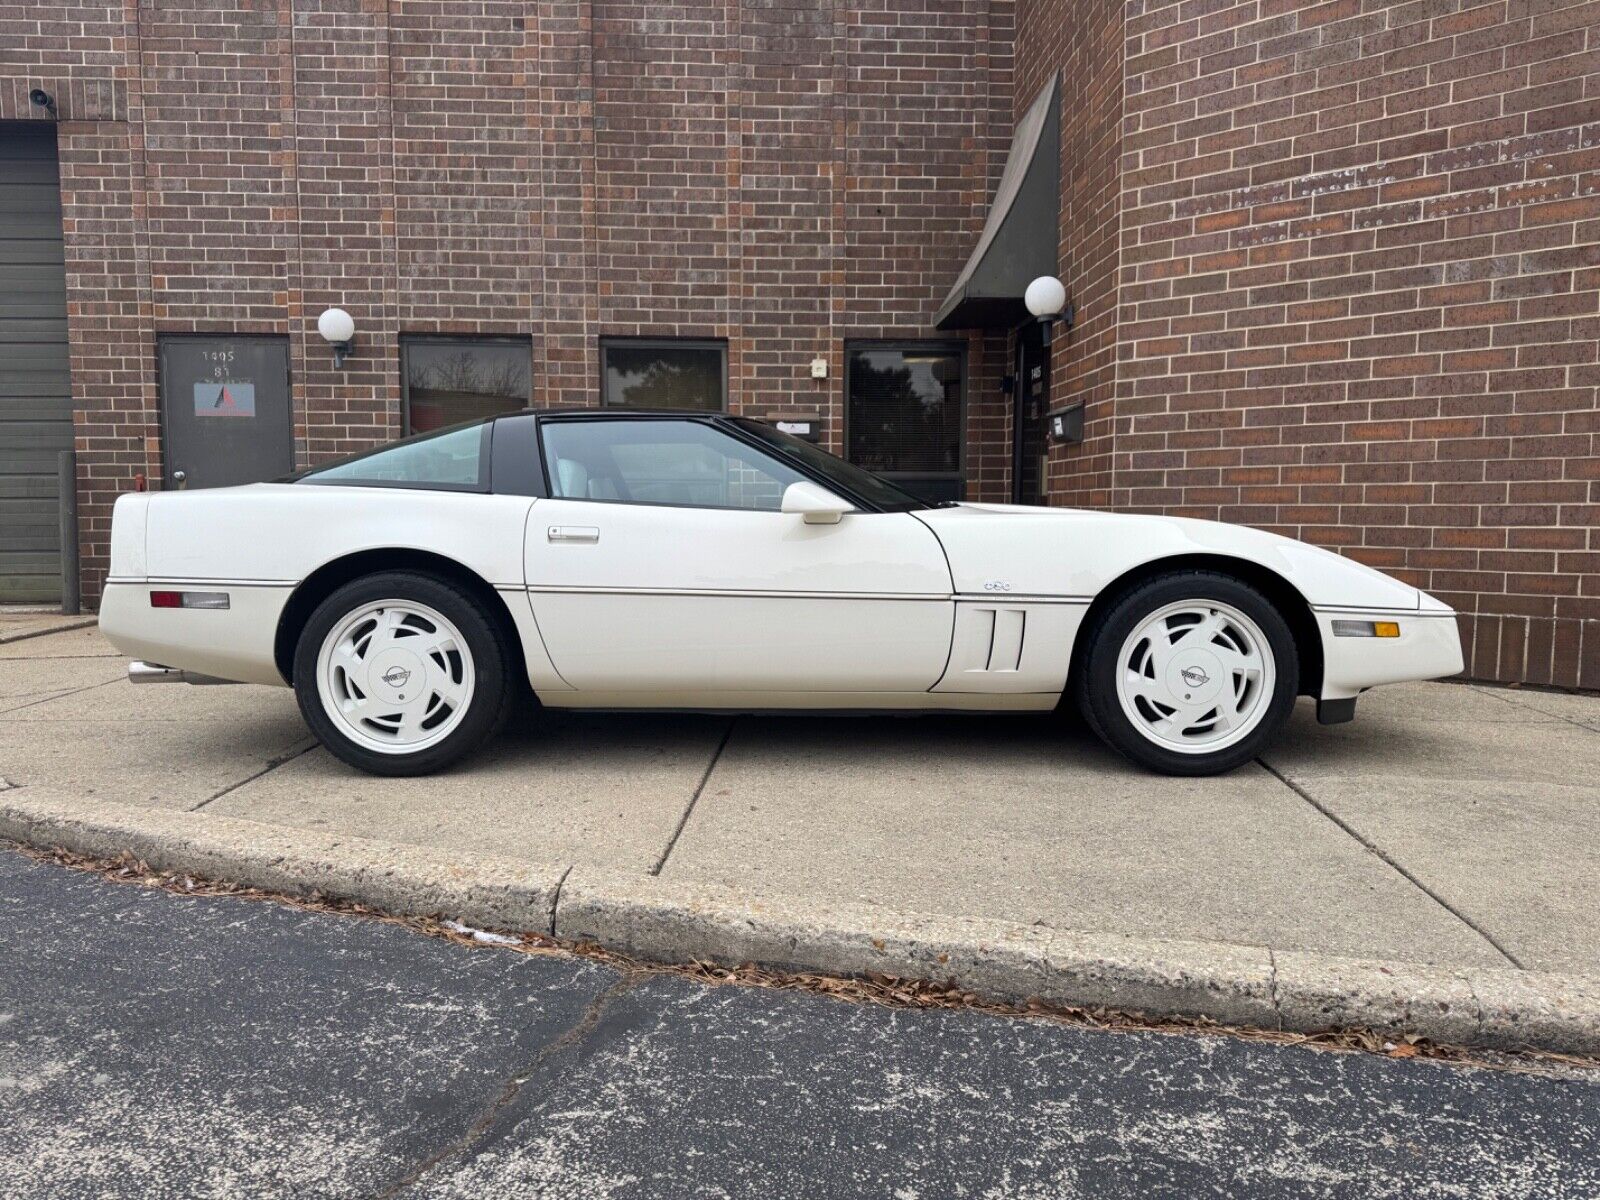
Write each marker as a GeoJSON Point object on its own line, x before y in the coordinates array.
{"type": "Point", "coordinates": [143, 672]}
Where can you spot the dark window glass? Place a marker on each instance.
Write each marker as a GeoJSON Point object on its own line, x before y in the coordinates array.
{"type": "Point", "coordinates": [905, 416]}
{"type": "Point", "coordinates": [444, 459]}
{"type": "Point", "coordinates": [687, 375]}
{"type": "Point", "coordinates": [450, 380]}
{"type": "Point", "coordinates": [682, 463]}
{"type": "Point", "coordinates": [840, 474]}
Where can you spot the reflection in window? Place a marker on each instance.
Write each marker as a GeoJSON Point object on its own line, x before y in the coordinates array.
{"type": "Point", "coordinates": [664, 374]}
{"type": "Point", "coordinates": [905, 416]}
{"type": "Point", "coordinates": [449, 458]}
{"type": "Point", "coordinates": [682, 463]}
{"type": "Point", "coordinates": [450, 380]}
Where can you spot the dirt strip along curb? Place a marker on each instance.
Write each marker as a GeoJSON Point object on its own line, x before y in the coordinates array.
{"type": "Point", "coordinates": [669, 921]}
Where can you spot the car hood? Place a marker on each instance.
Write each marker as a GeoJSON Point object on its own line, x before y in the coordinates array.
{"type": "Point", "coordinates": [1023, 550]}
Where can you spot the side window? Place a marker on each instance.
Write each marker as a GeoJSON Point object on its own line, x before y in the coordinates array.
{"type": "Point", "coordinates": [681, 463]}
{"type": "Point", "coordinates": [451, 459]}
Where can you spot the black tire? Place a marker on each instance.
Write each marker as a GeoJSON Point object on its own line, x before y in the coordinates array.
{"type": "Point", "coordinates": [493, 694]}
{"type": "Point", "coordinates": [1095, 681]}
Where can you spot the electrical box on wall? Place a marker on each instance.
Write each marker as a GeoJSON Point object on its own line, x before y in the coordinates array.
{"type": "Point", "coordinates": [1065, 424]}
{"type": "Point", "coordinates": [819, 368]}
{"type": "Point", "coordinates": [806, 428]}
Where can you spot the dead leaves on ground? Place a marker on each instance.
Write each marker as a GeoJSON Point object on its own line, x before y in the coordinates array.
{"type": "Point", "coordinates": [870, 988]}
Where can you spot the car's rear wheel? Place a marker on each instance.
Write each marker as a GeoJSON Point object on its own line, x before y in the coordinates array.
{"type": "Point", "coordinates": [402, 673]}
{"type": "Point", "coordinates": [1190, 673]}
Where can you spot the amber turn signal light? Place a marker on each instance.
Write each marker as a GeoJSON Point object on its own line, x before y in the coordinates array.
{"type": "Point", "coordinates": [1379, 629]}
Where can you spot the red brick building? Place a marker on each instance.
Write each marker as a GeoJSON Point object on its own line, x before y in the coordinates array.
{"type": "Point", "coordinates": [1335, 267]}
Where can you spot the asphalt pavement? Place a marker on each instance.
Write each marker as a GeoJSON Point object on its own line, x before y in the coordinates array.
{"type": "Point", "coordinates": [159, 1046]}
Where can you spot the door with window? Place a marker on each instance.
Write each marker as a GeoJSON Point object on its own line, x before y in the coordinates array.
{"type": "Point", "coordinates": [661, 563]}
{"type": "Point", "coordinates": [225, 410]}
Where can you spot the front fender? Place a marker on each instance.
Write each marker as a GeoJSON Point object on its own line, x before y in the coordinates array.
{"type": "Point", "coordinates": [1074, 553]}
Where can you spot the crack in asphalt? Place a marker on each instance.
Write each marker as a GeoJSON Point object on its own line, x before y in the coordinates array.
{"type": "Point", "coordinates": [694, 799]}
{"type": "Point", "coordinates": [585, 1025]}
{"type": "Point", "coordinates": [272, 765]}
{"type": "Point", "coordinates": [1401, 870]}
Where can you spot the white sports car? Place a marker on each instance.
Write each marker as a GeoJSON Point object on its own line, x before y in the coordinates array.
{"type": "Point", "coordinates": [630, 560]}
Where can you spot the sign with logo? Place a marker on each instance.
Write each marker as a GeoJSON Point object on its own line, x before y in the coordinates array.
{"type": "Point", "coordinates": [225, 398]}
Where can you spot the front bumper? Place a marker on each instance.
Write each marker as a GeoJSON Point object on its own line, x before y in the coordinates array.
{"type": "Point", "coordinates": [1429, 647]}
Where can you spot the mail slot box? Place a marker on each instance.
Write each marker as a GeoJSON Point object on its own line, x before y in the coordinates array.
{"type": "Point", "coordinates": [1065, 424]}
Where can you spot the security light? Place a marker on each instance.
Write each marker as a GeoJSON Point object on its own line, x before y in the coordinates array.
{"type": "Point", "coordinates": [44, 100]}
{"type": "Point", "coordinates": [338, 329]}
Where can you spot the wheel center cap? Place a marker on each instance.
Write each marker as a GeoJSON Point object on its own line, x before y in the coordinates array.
{"type": "Point", "coordinates": [396, 676]}
{"type": "Point", "coordinates": [1196, 677]}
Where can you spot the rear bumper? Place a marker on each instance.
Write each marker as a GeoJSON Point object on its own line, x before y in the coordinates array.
{"type": "Point", "coordinates": [233, 644]}
{"type": "Point", "coordinates": [1429, 647]}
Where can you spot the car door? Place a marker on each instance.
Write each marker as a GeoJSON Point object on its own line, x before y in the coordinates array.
{"type": "Point", "coordinates": [660, 563]}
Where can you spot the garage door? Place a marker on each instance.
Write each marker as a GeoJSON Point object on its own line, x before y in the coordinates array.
{"type": "Point", "coordinates": [35, 392]}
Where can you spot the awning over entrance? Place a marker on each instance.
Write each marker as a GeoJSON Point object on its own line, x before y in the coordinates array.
{"type": "Point", "coordinates": [1023, 230]}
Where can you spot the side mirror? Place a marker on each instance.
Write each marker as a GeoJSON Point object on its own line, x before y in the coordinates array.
{"type": "Point", "coordinates": [817, 505]}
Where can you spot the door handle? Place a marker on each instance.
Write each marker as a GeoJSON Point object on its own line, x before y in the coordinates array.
{"type": "Point", "coordinates": [573, 533]}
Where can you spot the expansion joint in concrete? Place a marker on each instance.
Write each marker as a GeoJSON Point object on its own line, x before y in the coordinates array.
{"type": "Point", "coordinates": [688, 809]}
{"type": "Point", "coordinates": [555, 899]}
{"type": "Point", "coordinates": [1395, 865]}
{"type": "Point", "coordinates": [272, 765]}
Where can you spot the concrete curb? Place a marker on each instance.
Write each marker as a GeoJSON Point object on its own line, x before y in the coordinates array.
{"type": "Point", "coordinates": [410, 880]}
{"type": "Point", "coordinates": [668, 921]}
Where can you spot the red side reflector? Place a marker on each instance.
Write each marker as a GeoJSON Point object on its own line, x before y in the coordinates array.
{"type": "Point", "coordinates": [166, 599]}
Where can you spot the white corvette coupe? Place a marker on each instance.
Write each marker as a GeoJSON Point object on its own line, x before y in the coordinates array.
{"type": "Point", "coordinates": [630, 560]}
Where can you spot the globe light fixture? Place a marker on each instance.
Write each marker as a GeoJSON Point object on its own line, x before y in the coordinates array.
{"type": "Point", "coordinates": [338, 329]}
{"type": "Point", "coordinates": [1045, 298]}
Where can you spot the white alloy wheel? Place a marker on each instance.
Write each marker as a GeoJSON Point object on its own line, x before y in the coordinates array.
{"type": "Point", "coordinates": [1196, 676]}
{"type": "Point", "coordinates": [395, 676]}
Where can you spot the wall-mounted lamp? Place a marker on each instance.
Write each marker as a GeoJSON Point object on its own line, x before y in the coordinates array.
{"type": "Point", "coordinates": [43, 99]}
{"type": "Point", "coordinates": [338, 329]}
{"type": "Point", "coordinates": [1046, 297]}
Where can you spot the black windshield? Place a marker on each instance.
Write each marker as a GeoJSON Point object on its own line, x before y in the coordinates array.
{"type": "Point", "coordinates": [880, 493]}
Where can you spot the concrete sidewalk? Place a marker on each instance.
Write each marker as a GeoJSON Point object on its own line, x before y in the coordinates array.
{"type": "Point", "coordinates": [1450, 825]}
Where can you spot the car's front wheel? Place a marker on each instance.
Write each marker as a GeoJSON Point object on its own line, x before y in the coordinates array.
{"type": "Point", "coordinates": [401, 673]}
{"type": "Point", "coordinates": [1189, 673]}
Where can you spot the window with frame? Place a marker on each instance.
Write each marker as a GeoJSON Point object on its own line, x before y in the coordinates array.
{"type": "Point", "coordinates": [664, 373]}
{"type": "Point", "coordinates": [687, 464]}
{"type": "Point", "coordinates": [452, 460]}
{"type": "Point", "coordinates": [450, 380]}
{"type": "Point", "coordinates": [905, 415]}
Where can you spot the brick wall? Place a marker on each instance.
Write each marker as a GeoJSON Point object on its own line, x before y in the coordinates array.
{"type": "Point", "coordinates": [1082, 40]}
{"type": "Point", "coordinates": [1357, 293]}
{"type": "Point", "coordinates": [784, 175]}
{"type": "Point", "coordinates": [1337, 265]}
